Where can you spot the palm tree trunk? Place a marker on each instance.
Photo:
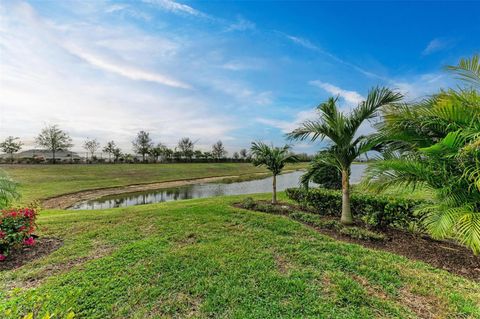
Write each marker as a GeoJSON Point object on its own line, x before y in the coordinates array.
{"type": "Point", "coordinates": [346, 218]}
{"type": "Point", "coordinates": [274, 193]}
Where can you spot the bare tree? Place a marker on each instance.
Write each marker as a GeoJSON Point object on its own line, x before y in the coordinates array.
{"type": "Point", "coordinates": [54, 139]}
{"type": "Point", "coordinates": [218, 150]}
{"type": "Point", "coordinates": [142, 144]}
{"type": "Point", "coordinates": [11, 145]}
{"type": "Point", "coordinates": [91, 146]}
{"type": "Point", "coordinates": [236, 156]}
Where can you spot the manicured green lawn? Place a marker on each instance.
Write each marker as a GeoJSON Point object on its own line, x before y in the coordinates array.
{"type": "Point", "coordinates": [43, 181]}
{"type": "Point", "coordinates": [205, 259]}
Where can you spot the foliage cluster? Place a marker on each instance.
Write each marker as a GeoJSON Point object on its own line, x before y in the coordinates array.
{"type": "Point", "coordinates": [375, 210]}
{"type": "Point", "coordinates": [16, 229]}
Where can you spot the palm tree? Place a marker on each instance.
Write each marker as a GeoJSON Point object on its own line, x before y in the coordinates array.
{"type": "Point", "coordinates": [342, 129]}
{"type": "Point", "coordinates": [274, 159]}
{"type": "Point", "coordinates": [436, 144]}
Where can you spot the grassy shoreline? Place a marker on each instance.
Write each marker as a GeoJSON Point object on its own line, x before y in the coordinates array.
{"type": "Point", "coordinates": [204, 258]}
{"type": "Point", "coordinates": [38, 182]}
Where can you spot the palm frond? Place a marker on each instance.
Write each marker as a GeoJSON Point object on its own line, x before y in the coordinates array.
{"type": "Point", "coordinates": [8, 190]}
{"type": "Point", "coordinates": [467, 69]}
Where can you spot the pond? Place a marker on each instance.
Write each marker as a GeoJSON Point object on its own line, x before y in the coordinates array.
{"type": "Point", "coordinates": [203, 190]}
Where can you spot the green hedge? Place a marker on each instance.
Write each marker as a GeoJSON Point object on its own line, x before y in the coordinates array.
{"type": "Point", "coordinates": [375, 210]}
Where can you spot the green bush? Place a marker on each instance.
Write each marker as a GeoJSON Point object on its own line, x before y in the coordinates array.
{"type": "Point", "coordinates": [374, 210]}
{"type": "Point", "coordinates": [248, 203]}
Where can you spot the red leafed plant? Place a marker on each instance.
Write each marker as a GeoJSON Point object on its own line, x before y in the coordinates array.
{"type": "Point", "coordinates": [16, 229]}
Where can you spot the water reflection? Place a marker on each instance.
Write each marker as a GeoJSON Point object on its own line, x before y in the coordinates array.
{"type": "Point", "coordinates": [202, 190]}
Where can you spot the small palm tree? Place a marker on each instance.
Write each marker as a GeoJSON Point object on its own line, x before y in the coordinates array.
{"type": "Point", "coordinates": [342, 129]}
{"type": "Point", "coordinates": [273, 158]}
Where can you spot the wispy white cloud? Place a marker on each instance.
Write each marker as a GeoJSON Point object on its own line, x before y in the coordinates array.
{"type": "Point", "coordinates": [127, 10]}
{"type": "Point", "coordinates": [421, 85]}
{"type": "Point", "coordinates": [437, 44]}
{"type": "Point", "coordinates": [243, 64]}
{"type": "Point", "coordinates": [351, 97]}
{"type": "Point", "coordinates": [42, 82]}
{"type": "Point", "coordinates": [288, 126]}
{"type": "Point", "coordinates": [302, 42]}
{"type": "Point", "coordinates": [123, 69]}
{"type": "Point", "coordinates": [311, 46]}
{"type": "Point", "coordinates": [241, 24]}
{"type": "Point", "coordinates": [176, 7]}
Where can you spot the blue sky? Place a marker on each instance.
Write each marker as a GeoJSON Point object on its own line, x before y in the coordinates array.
{"type": "Point", "coordinates": [235, 71]}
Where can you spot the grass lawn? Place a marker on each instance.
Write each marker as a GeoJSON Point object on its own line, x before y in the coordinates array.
{"type": "Point", "coordinates": [203, 258]}
{"type": "Point", "coordinates": [43, 181]}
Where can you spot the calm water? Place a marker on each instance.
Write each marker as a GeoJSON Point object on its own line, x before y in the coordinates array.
{"type": "Point", "coordinates": [203, 190]}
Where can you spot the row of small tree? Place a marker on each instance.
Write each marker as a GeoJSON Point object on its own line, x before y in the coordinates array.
{"type": "Point", "coordinates": [55, 140]}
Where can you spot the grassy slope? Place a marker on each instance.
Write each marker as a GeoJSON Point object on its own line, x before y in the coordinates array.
{"type": "Point", "coordinates": [42, 181]}
{"type": "Point", "coordinates": [203, 258]}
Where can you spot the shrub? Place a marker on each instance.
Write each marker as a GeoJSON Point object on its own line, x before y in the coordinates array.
{"type": "Point", "coordinates": [374, 210]}
{"type": "Point", "coordinates": [16, 229]}
{"type": "Point", "coordinates": [248, 203]}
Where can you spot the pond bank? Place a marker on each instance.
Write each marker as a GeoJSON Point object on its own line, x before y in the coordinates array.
{"type": "Point", "coordinates": [67, 200]}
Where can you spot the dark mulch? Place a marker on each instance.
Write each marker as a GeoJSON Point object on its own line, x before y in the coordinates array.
{"type": "Point", "coordinates": [19, 257]}
{"type": "Point", "coordinates": [440, 254]}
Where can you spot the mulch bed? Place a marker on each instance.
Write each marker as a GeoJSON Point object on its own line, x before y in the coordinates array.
{"type": "Point", "coordinates": [440, 254]}
{"type": "Point", "coordinates": [19, 257]}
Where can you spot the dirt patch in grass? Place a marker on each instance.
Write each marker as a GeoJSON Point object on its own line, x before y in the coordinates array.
{"type": "Point", "coordinates": [427, 307]}
{"type": "Point", "coordinates": [19, 257]}
{"type": "Point", "coordinates": [283, 266]}
{"type": "Point", "coordinates": [445, 255]}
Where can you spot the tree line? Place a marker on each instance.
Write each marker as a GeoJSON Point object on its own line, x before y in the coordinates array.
{"type": "Point", "coordinates": [55, 140]}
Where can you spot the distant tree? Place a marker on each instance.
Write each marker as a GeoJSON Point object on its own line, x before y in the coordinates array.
{"type": "Point", "coordinates": [91, 146]}
{"type": "Point", "coordinates": [274, 159]}
{"type": "Point", "coordinates": [208, 155]}
{"type": "Point", "coordinates": [177, 155]}
{"type": "Point", "coordinates": [54, 140]}
{"type": "Point", "coordinates": [157, 151]}
{"type": "Point", "coordinates": [168, 153]}
{"type": "Point", "coordinates": [11, 145]}
{"type": "Point", "coordinates": [117, 153]}
{"type": "Point", "coordinates": [142, 144]}
{"type": "Point", "coordinates": [218, 150]}
{"type": "Point", "coordinates": [243, 153]}
{"type": "Point", "coordinates": [236, 156]}
{"type": "Point", "coordinates": [185, 147]}
{"type": "Point", "coordinates": [110, 149]}
{"type": "Point", "coordinates": [198, 154]}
